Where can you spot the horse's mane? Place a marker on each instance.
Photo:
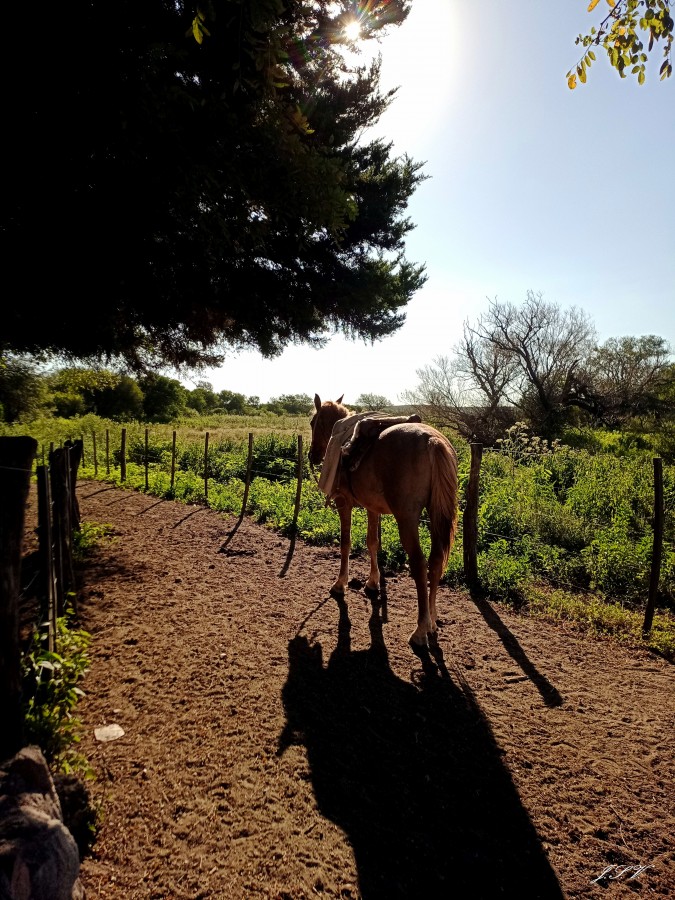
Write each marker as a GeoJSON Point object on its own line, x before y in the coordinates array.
{"type": "Point", "coordinates": [340, 408]}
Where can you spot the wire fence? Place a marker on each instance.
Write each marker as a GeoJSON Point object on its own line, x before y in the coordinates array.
{"type": "Point", "coordinates": [52, 578]}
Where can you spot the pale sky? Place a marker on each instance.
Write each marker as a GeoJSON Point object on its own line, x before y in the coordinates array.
{"type": "Point", "coordinates": [531, 186]}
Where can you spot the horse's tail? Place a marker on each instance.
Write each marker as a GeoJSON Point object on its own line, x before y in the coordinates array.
{"type": "Point", "coordinates": [443, 503]}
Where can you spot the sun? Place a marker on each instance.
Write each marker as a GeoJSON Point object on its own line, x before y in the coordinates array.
{"type": "Point", "coordinates": [352, 30]}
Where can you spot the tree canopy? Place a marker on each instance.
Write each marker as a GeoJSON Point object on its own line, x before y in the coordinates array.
{"type": "Point", "coordinates": [185, 180]}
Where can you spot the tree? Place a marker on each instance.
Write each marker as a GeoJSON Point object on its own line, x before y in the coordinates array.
{"type": "Point", "coordinates": [203, 398]}
{"type": "Point", "coordinates": [619, 35]}
{"type": "Point", "coordinates": [201, 194]}
{"type": "Point", "coordinates": [631, 376]}
{"type": "Point", "coordinates": [164, 399]}
{"type": "Point", "coordinates": [372, 402]}
{"type": "Point", "coordinates": [22, 390]}
{"type": "Point", "coordinates": [120, 401]}
{"type": "Point", "coordinates": [232, 402]}
{"type": "Point", "coordinates": [528, 361]}
{"type": "Point", "coordinates": [291, 404]}
{"type": "Point", "coordinates": [76, 391]}
{"type": "Point", "coordinates": [468, 391]}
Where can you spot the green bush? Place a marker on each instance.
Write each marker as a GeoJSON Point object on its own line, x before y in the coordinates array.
{"type": "Point", "coordinates": [51, 693]}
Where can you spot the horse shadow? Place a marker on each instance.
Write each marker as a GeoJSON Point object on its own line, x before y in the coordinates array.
{"type": "Point", "coordinates": [411, 774]}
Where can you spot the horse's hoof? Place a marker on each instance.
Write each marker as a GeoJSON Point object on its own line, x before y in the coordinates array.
{"type": "Point", "coordinates": [420, 650]}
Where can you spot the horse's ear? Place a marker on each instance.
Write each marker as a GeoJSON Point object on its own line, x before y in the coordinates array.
{"type": "Point", "coordinates": [339, 399]}
{"type": "Point", "coordinates": [317, 402]}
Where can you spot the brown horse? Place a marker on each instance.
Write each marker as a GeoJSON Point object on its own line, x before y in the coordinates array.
{"type": "Point", "coordinates": [407, 468]}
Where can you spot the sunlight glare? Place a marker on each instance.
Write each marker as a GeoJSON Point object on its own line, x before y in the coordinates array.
{"type": "Point", "coordinates": [353, 30]}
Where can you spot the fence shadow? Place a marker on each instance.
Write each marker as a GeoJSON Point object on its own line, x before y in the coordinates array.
{"type": "Point", "coordinates": [550, 695]}
{"type": "Point", "coordinates": [412, 775]}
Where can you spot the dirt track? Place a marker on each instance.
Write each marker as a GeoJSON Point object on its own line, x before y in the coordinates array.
{"type": "Point", "coordinates": [279, 746]}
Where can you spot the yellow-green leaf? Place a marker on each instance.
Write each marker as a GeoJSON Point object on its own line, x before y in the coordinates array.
{"type": "Point", "coordinates": [572, 82]}
{"type": "Point", "coordinates": [592, 5]}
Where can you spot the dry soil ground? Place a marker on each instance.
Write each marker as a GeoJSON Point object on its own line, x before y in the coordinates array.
{"type": "Point", "coordinates": [280, 745]}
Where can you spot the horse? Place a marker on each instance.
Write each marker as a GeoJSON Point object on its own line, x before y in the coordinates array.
{"type": "Point", "coordinates": [406, 468]}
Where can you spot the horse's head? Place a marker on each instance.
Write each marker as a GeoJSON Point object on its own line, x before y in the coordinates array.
{"type": "Point", "coordinates": [322, 422]}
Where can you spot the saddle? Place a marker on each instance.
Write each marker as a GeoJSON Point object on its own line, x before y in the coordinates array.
{"type": "Point", "coordinates": [366, 432]}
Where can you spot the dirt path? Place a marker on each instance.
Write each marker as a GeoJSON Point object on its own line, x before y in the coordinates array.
{"type": "Point", "coordinates": [277, 746]}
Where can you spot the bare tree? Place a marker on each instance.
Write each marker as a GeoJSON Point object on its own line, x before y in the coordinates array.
{"type": "Point", "coordinates": [528, 362]}
{"type": "Point", "coordinates": [550, 349]}
{"type": "Point", "coordinates": [467, 392]}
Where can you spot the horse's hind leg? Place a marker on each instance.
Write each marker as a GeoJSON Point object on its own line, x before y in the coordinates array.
{"type": "Point", "coordinates": [436, 557]}
{"type": "Point", "coordinates": [373, 542]}
{"type": "Point", "coordinates": [410, 539]}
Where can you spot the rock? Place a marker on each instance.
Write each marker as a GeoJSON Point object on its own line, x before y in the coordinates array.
{"type": "Point", "coordinates": [39, 859]}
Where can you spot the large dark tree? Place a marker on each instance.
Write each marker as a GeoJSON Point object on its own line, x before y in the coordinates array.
{"type": "Point", "coordinates": [173, 189]}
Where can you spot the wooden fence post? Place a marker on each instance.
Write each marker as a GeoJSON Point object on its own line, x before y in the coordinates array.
{"type": "Point", "coordinates": [74, 458]}
{"type": "Point", "coordinates": [470, 520]}
{"type": "Point", "coordinates": [16, 463]}
{"type": "Point", "coordinates": [123, 456]}
{"type": "Point", "coordinates": [657, 550]}
{"type": "Point", "coordinates": [173, 460]}
{"type": "Point", "coordinates": [93, 441]}
{"type": "Point", "coordinates": [206, 468]}
{"type": "Point", "coordinates": [146, 459]}
{"type": "Point", "coordinates": [47, 589]}
{"type": "Point", "coordinates": [58, 475]}
{"type": "Point", "coordinates": [107, 451]}
{"type": "Point", "coordinates": [294, 525]}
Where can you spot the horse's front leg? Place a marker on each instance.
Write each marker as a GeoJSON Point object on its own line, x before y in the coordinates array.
{"type": "Point", "coordinates": [373, 544]}
{"type": "Point", "coordinates": [345, 513]}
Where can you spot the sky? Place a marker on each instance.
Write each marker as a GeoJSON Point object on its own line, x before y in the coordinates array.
{"type": "Point", "coordinates": [531, 186]}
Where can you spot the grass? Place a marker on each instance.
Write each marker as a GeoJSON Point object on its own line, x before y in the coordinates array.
{"type": "Point", "coordinates": [599, 618]}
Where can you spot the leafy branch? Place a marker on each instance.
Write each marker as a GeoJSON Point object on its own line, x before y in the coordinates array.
{"type": "Point", "coordinates": [620, 34]}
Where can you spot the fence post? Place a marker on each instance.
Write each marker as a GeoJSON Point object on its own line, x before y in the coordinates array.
{"type": "Point", "coordinates": [470, 520]}
{"type": "Point", "coordinates": [294, 525]}
{"type": "Point", "coordinates": [74, 458]}
{"type": "Point", "coordinates": [173, 460]}
{"type": "Point", "coordinates": [93, 441]}
{"type": "Point", "coordinates": [58, 475]}
{"type": "Point", "coordinates": [107, 451]}
{"type": "Point", "coordinates": [655, 573]}
{"type": "Point", "coordinates": [47, 590]}
{"type": "Point", "coordinates": [146, 459]}
{"type": "Point", "coordinates": [123, 456]}
{"type": "Point", "coordinates": [206, 468]}
{"type": "Point", "coordinates": [16, 463]}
